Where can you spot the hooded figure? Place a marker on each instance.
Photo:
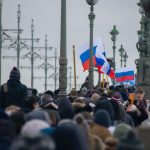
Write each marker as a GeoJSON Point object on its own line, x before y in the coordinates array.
{"type": "Point", "coordinates": [13, 92]}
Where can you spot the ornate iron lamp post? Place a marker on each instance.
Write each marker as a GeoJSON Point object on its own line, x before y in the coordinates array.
{"type": "Point", "coordinates": [32, 52]}
{"type": "Point", "coordinates": [143, 46]}
{"type": "Point", "coordinates": [121, 51]}
{"type": "Point", "coordinates": [63, 51]}
{"type": "Point", "coordinates": [125, 56]}
{"type": "Point", "coordinates": [91, 18]}
{"type": "Point", "coordinates": [114, 32]}
{"type": "Point", "coordinates": [18, 37]}
{"type": "Point", "coordinates": [0, 39]}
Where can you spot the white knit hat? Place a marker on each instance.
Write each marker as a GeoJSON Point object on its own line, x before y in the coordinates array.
{"type": "Point", "coordinates": [33, 127]}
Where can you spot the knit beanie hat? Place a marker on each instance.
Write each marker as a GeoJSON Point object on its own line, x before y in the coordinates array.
{"type": "Point", "coordinates": [14, 74]}
{"type": "Point", "coordinates": [38, 114]}
{"type": "Point", "coordinates": [121, 129]}
{"type": "Point", "coordinates": [37, 142]}
{"type": "Point", "coordinates": [130, 142]}
{"type": "Point", "coordinates": [65, 109]}
{"type": "Point", "coordinates": [102, 117]}
{"type": "Point", "coordinates": [33, 127]}
{"type": "Point", "coordinates": [82, 123]}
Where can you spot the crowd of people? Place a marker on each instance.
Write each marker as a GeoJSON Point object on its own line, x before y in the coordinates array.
{"type": "Point", "coordinates": [113, 118]}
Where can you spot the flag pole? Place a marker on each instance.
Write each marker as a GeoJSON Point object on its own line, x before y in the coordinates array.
{"type": "Point", "coordinates": [103, 81]}
{"type": "Point", "coordinates": [107, 82]}
{"type": "Point", "coordinates": [99, 78]}
{"type": "Point", "coordinates": [74, 63]}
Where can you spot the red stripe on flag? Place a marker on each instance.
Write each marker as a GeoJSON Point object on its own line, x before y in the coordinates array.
{"type": "Point", "coordinates": [124, 78]}
{"type": "Point", "coordinates": [86, 64]}
{"type": "Point", "coordinates": [111, 74]}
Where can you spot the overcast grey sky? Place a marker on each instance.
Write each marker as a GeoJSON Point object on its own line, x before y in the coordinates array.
{"type": "Point", "coordinates": [46, 14]}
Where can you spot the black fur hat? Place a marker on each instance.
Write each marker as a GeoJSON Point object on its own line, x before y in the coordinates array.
{"type": "Point", "coordinates": [14, 74]}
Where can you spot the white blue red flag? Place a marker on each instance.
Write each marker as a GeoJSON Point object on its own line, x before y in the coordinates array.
{"type": "Point", "coordinates": [100, 45]}
{"type": "Point", "coordinates": [124, 74]}
{"type": "Point", "coordinates": [103, 65]}
{"type": "Point", "coordinates": [84, 52]}
{"type": "Point", "coordinates": [99, 59]}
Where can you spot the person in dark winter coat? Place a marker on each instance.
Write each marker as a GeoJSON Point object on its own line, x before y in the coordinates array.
{"type": "Point", "coordinates": [140, 103]}
{"type": "Point", "coordinates": [65, 109]}
{"type": "Point", "coordinates": [102, 117]}
{"type": "Point", "coordinates": [106, 105]}
{"type": "Point", "coordinates": [6, 134]}
{"type": "Point", "coordinates": [13, 92]}
{"type": "Point", "coordinates": [85, 84]}
{"type": "Point", "coordinates": [38, 142]}
{"type": "Point", "coordinates": [130, 141]}
{"type": "Point", "coordinates": [17, 119]}
{"type": "Point", "coordinates": [68, 136]}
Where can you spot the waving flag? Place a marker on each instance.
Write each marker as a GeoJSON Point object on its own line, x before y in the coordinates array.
{"type": "Point", "coordinates": [100, 45]}
{"type": "Point", "coordinates": [84, 54]}
{"type": "Point", "coordinates": [124, 74]}
{"type": "Point", "coordinates": [102, 64]}
{"type": "Point", "coordinates": [101, 61]}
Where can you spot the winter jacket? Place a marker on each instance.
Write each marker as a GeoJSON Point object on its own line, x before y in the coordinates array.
{"type": "Point", "coordinates": [13, 93]}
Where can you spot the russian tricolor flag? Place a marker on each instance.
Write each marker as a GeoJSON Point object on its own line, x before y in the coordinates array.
{"type": "Point", "coordinates": [124, 74]}
{"type": "Point", "coordinates": [100, 45]}
{"type": "Point", "coordinates": [103, 65]}
{"type": "Point", "coordinates": [84, 52]}
{"type": "Point", "coordinates": [85, 58]}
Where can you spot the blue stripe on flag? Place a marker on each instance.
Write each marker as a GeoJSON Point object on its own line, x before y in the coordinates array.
{"type": "Point", "coordinates": [128, 73]}
{"type": "Point", "coordinates": [99, 61]}
{"type": "Point", "coordinates": [86, 55]}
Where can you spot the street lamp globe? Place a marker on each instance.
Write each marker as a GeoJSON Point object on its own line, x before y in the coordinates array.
{"type": "Point", "coordinates": [91, 2]}
{"type": "Point", "coordinates": [125, 56]}
{"type": "Point", "coordinates": [114, 32]}
{"type": "Point", "coordinates": [19, 12]}
{"type": "Point", "coordinates": [121, 50]}
{"type": "Point", "coordinates": [32, 25]}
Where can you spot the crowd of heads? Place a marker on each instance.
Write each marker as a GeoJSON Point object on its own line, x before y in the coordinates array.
{"type": "Point", "coordinates": [97, 119]}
